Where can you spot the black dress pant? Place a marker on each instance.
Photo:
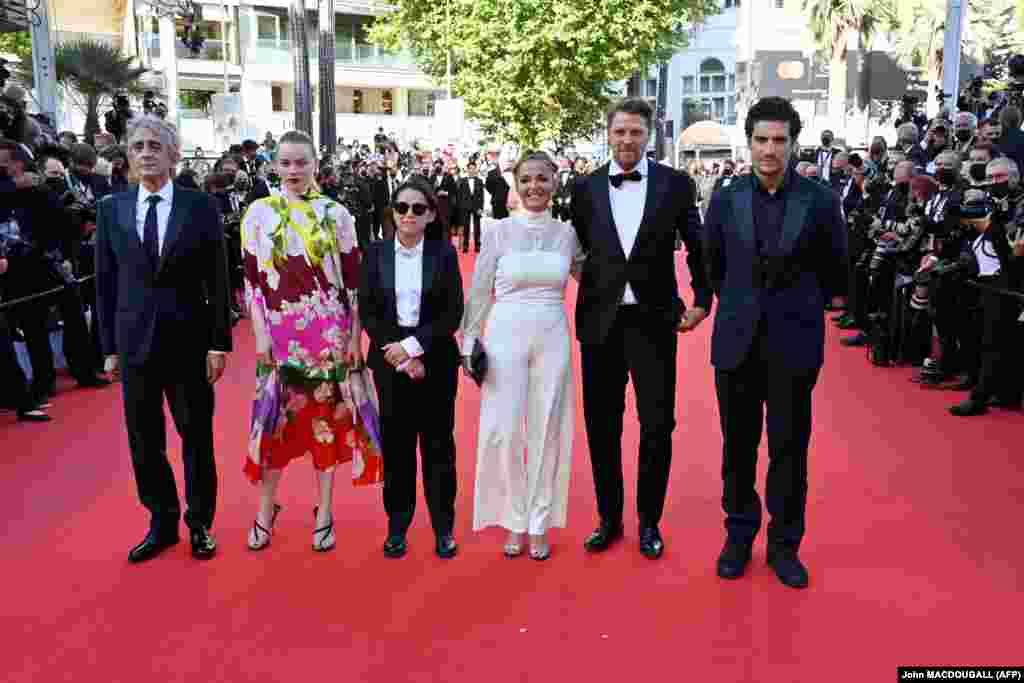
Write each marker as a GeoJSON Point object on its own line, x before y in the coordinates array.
{"type": "Point", "coordinates": [420, 411]}
{"type": "Point", "coordinates": [364, 224]}
{"type": "Point", "coordinates": [757, 386]}
{"type": "Point", "coordinates": [180, 376]}
{"type": "Point", "coordinates": [999, 347]}
{"type": "Point", "coordinates": [33, 318]}
{"type": "Point", "coordinates": [471, 224]}
{"type": "Point", "coordinates": [14, 391]}
{"type": "Point", "coordinates": [499, 211]}
{"type": "Point", "coordinates": [641, 346]}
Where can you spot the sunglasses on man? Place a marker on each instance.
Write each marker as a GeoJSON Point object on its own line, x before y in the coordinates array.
{"type": "Point", "coordinates": [402, 208]}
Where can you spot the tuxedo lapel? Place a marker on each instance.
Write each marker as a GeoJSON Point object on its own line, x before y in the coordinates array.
{"type": "Point", "coordinates": [387, 275]}
{"type": "Point", "coordinates": [431, 256]}
{"type": "Point", "coordinates": [743, 214]}
{"type": "Point", "coordinates": [179, 207]}
{"type": "Point", "coordinates": [797, 204]}
{"type": "Point", "coordinates": [603, 202]}
{"type": "Point", "coordinates": [127, 217]}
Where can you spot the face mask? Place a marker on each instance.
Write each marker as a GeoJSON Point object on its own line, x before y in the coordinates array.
{"type": "Point", "coordinates": [999, 190]}
{"type": "Point", "coordinates": [826, 140]}
{"type": "Point", "coordinates": [876, 151]}
{"type": "Point", "coordinates": [903, 188]}
{"type": "Point", "coordinates": [727, 172]}
{"type": "Point", "coordinates": [58, 185]}
{"type": "Point", "coordinates": [977, 172]}
{"type": "Point", "coordinates": [946, 176]}
{"type": "Point", "coordinates": [963, 135]}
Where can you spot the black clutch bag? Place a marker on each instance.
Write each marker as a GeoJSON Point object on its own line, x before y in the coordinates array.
{"type": "Point", "coordinates": [478, 363]}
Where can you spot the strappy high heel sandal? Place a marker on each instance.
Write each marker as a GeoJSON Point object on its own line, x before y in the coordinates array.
{"type": "Point", "coordinates": [540, 549]}
{"type": "Point", "coordinates": [328, 538]}
{"type": "Point", "coordinates": [259, 536]}
{"type": "Point", "coordinates": [514, 545]}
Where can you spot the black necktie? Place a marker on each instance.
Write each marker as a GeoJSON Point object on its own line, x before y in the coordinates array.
{"type": "Point", "coordinates": [616, 179]}
{"type": "Point", "coordinates": [150, 233]}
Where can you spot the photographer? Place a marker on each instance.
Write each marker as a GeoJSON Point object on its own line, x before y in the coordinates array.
{"type": "Point", "coordinates": [860, 208]}
{"type": "Point", "coordinates": [119, 168]}
{"type": "Point", "coordinates": [965, 128]}
{"type": "Point", "coordinates": [35, 230]}
{"type": "Point", "coordinates": [231, 206]}
{"type": "Point", "coordinates": [908, 141]}
{"type": "Point", "coordinates": [997, 220]}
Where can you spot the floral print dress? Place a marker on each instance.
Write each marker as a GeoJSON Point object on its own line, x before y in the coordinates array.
{"type": "Point", "coordinates": [301, 262]}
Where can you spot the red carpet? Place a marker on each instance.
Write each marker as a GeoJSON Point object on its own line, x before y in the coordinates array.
{"type": "Point", "coordinates": [911, 548]}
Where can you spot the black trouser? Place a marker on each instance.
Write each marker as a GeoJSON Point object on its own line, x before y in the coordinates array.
{"type": "Point", "coordinates": [472, 219]}
{"type": "Point", "coordinates": [757, 386]}
{"type": "Point", "coordinates": [364, 224]}
{"type": "Point", "coordinates": [180, 375]}
{"type": "Point", "coordinates": [33, 318]}
{"type": "Point", "coordinates": [641, 346]}
{"type": "Point", "coordinates": [422, 411]}
{"type": "Point", "coordinates": [14, 391]}
{"type": "Point", "coordinates": [999, 347]}
{"type": "Point", "coordinates": [947, 301]}
{"type": "Point", "coordinates": [499, 211]}
{"type": "Point", "coordinates": [857, 281]}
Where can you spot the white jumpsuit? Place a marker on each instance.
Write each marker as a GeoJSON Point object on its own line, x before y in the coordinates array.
{"type": "Point", "coordinates": [528, 397]}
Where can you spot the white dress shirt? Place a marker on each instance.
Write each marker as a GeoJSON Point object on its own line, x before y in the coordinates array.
{"type": "Point", "coordinates": [408, 292]}
{"type": "Point", "coordinates": [988, 261]}
{"type": "Point", "coordinates": [628, 202]}
{"type": "Point", "coordinates": [163, 212]}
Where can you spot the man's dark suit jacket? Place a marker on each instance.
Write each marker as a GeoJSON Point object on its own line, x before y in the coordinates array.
{"type": "Point", "coordinates": [1012, 145]}
{"type": "Point", "coordinates": [185, 302]}
{"type": "Point", "coordinates": [808, 268]}
{"type": "Point", "coordinates": [498, 188]}
{"type": "Point", "coordinates": [471, 201]}
{"type": "Point", "coordinates": [650, 269]}
{"type": "Point", "coordinates": [441, 303]}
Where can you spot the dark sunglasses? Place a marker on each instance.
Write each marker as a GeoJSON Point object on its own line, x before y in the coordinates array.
{"type": "Point", "coordinates": [402, 208]}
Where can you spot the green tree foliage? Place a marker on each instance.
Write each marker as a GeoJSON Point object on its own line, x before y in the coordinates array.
{"type": "Point", "coordinates": [19, 44]}
{"type": "Point", "coordinates": [95, 72]}
{"type": "Point", "coordinates": [536, 70]}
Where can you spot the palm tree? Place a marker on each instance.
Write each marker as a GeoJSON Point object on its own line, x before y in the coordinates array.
{"type": "Point", "coordinates": [834, 24]}
{"type": "Point", "coordinates": [921, 29]}
{"type": "Point", "coordinates": [95, 72]}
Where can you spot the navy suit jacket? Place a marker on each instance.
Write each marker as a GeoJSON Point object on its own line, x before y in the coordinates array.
{"type": "Point", "coordinates": [808, 267]}
{"type": "Point", "coordinates": [185, 301]}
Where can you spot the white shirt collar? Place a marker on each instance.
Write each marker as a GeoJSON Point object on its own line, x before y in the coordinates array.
{"type": "Point", "coordinates": [411, 251]}
{"type": "Point", "coordinates": [166, 193]}
{"type": "Point", "coordinates": [615, 169]}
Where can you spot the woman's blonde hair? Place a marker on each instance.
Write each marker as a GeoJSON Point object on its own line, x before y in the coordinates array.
{"type": "Point", "coordinates": [535, 155]}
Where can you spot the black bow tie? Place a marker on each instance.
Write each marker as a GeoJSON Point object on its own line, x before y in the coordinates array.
{"type": "Point", "coordinates": [616, 179]}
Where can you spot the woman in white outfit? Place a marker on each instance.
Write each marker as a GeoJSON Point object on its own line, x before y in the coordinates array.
{"type": "Point", "coordinates": [518, 290]}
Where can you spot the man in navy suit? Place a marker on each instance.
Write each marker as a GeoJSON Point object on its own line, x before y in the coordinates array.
{"type": "Point", "coordinates": [162, 294]}
{"type": "Point", "coordinates": [776, 252]}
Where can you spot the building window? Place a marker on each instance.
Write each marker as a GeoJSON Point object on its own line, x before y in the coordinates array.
{"type": "Point", "coordinates": [719, 111]}
{"type": "Point", "coordinates": [687, 85]}
{"type": "Point", "coordinates": [732, 82]}
{"type": "Point", "coordinates": [652, 87]}
{"type": "Point", "coordinates": [712, 76]}
{"type": "Point", "coordinates": [780, 4]}
{"type": "Point", "coordinates": [276, 98]}
{"type": "Point", "coordinates": [727, 4]}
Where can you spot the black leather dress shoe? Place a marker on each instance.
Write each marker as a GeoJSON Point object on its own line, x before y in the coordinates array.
{"type": "Point", "coordinates": [1004, 403]}
{"type": "Point", "coordinates": [204, 545]}
{"type": "Point", "coordinates": [732, 563]}
{"type": "Point", "coordinates": [859, 339]}
{"type": "Point", "coordinates": [788, 567]}
{"type": "Point", "coordinates": [152, 545]}
{"type": "Point", "coordinates": [603, 536]}
{"type": "Point", "coordinates": [395, 546]}
{"type": "Point", "coordinates": [651, 545]}
{"type": "Point", "coordinates": [446, 547]}
{"type": "Point", "coordinates": [968, 408]}
{"type": "Point", "coordinates": [33, 416]}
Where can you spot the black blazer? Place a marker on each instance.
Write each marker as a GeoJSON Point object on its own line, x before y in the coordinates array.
{"type": "Point", "coordinates": [186, 300]}
{"type": "Point", "coordinates": [471, 200]}
{"type": "Point", "coordinates": [808, 268]}
{"type": "Point", "coordinates": [441, 303]}
{"type": "Point", "coordinates": [497, 187]}
{"type": "Point", "coordinates": [650, 269]}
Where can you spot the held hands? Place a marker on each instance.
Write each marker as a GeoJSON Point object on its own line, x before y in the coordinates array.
{"type": "Point", "coordinates": [215, 363]}
{"type": "Point", "coordinates": [394, 354]}
{"type": "Point", "coordinates": [691, 319]}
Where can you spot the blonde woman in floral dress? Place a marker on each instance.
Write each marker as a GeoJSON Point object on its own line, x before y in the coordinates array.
{"type": "Point", "coordinates": [301, 273]}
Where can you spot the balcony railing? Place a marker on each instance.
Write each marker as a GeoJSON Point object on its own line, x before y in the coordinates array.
{"type": "Point", "coordinates": [212, 49]}
{"type": "Point", "coordinates": [279, 52]}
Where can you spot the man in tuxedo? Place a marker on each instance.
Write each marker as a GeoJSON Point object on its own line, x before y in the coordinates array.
{"type": "Point", "coordinates": [471, 205]}
{"type": "Point", "coordinates": [823, 157]}
{"type": "Point", "coordinates": [498, 188]}
{"type": "Point", "coordinates": [776, 251]}
{"type": "Point", "coordinates": [382, 188]}
{"type": "Point", "coordinates": [162, 297]}
{"type": "Point", "coordinates": [627, 215]}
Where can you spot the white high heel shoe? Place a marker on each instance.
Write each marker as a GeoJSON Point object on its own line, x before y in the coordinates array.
{"type": "Point", "coordinates": [259, 536]}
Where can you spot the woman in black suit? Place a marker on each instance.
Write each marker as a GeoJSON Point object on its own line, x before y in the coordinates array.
{"type": "Point", "coordinates": [410, 303]}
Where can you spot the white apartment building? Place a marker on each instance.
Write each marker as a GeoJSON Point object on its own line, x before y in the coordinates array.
{"type": "Point", "coordinates": [248, 47]}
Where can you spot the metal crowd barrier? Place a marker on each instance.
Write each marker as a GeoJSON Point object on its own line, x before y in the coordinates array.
{"type": "Point", "coordinates": [42, 295]}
